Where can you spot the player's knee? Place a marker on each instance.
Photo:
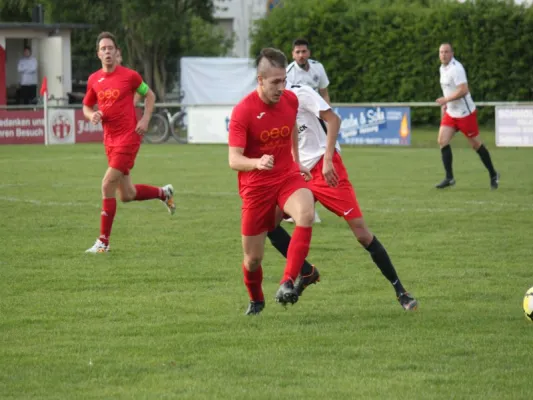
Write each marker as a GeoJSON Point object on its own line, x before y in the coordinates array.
{"type": "Point", "coordinates": [475, 143]}
{"type": "Point", "coordinates": [305, 217]}
{"type": "Point", "coordinates": [127, 196]}
{"type": "Point", "coordinates": [252, 262]}
{"type": "Point", "coordinates": [443, 141]}
{"type": "Point", "coordinates": [364, 236]}
{"type": "Point", "coordinates": [109, 187]}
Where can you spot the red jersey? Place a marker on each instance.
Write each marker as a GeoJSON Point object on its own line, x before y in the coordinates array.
{"type": "Point", "coordinates": [114, 92]}
{"type": "Point", "coordinates": [261, 129]}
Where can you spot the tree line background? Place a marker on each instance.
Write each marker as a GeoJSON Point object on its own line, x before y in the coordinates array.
{"type": "Point", "coordinates": [153, 34]}
{"type": "Point", "coordinates": [387, 50]}
{"type": "Point", "coordinates": [373, 50]}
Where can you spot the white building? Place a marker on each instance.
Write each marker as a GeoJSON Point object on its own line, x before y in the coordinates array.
{"type": "Point", "coordinates": [237, 16]}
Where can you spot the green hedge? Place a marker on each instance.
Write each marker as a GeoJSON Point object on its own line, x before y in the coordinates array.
{"type": "Point", "coordinates": [388, 50]}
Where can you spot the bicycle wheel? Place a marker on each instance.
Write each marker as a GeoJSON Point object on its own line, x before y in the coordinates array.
{"type": "Point", "coordinates": [178, 130]}
{"type": "Point", "coordinates": [158, 130]}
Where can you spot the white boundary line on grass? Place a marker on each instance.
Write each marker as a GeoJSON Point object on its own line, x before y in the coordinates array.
{"type": "Point", "coordinates": [386, 210]}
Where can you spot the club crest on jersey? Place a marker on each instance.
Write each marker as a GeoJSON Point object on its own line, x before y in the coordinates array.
{"type": "Point", "coordinates": [316, 78]}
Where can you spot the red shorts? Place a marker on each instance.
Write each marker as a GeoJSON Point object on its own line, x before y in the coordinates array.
{"type": "Point", "coordinates": [467, 125]}
{"type": "Point", "coordinates": [122, 157]}
{"type": "Point", "coordinates": [341, 199]}
{"type": "Point", "coordinates": [259, 209]}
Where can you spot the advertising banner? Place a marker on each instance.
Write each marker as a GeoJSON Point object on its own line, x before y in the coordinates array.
{"type": "Point", "coordinates": [375, 125]}
{"type": "Point", "coordinates": [514, 126]}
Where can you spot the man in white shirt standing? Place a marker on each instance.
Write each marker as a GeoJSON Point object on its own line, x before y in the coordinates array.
{"type": "Point", "coordinates": [27, 68]}
{"type": "Point", "coordinates": [458, 114]}
{"type": "Point", "coordinates": [319, 151]}
{"type": "Point", "coordinates": [304, 71]}
{"type": "Point", "coordinates": [307, 72]}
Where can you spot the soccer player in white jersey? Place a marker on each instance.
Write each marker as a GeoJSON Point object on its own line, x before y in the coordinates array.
{"type": "Point", "coordinates": [304, 71]}
{"type": "Point", "coordinates": [458, 114]}
{"type": "Point", "coordinates": [319, 151]}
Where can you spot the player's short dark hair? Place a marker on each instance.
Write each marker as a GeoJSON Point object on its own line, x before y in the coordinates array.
{"type": "Point", "coordinates": [105, 35]}
{"type": "Point", "coordinates": [300, 42]}
{"type": "Point", "coordinates": [448, 44]}
{"type": "Point", "coordinates": [274, 57]}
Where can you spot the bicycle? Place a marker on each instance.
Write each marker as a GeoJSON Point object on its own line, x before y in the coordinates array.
{"type": "Point", "coordinates": [165, 124]}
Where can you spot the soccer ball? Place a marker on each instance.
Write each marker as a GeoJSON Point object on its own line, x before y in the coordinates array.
{"type": "Point", "coordinates": [528, 304]}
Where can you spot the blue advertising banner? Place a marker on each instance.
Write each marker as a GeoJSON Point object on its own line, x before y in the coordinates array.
{"type": "Point", "coordinates": [375, 125]}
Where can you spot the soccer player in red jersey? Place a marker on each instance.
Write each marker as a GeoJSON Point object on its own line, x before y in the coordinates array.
{"type": "Point", "coordinates": [320, 152]}
{"type": "Point", "coordinates": [112, 88]}
{"type": "Point", "coordinates": [264, 149]}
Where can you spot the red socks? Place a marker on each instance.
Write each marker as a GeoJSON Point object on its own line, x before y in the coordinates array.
{"type": "Point", "coordinates": [109, 209]}
{"type": "Point", "coordinates": [145, 192]}
{"type": "Point", "coordinates": [297, 252]}
{"type": "Point", "coordinates": [253, 281]}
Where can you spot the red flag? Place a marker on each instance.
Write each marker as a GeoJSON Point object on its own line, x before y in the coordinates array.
{"type": "Point", "coordinates": [44, 86]}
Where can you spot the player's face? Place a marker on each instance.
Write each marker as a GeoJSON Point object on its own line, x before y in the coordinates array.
{"type": "Point", "coordinates": [301, 54]}
{"type": "Point", "coordinates": [107, 52]}
{"type": "Point", "coordinates": [445, 54]}
{"type": "Point", "coordinates": [273, 84]}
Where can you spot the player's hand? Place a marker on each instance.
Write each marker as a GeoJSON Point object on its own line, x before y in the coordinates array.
{"type": "Point", "coordinates": [142, 126]}
{"type": "Point", "coordinates": [97, 117]}
{"type": "Point", "coordinates": [305, 173]}
{"type": "Point", "coordinates": [330, 175]}
{"type": "Point", "coordinates": [441, 100]}
{"type": "Point", "coordinates": [266, 162]}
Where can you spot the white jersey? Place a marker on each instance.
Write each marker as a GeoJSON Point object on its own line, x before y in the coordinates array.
{"type": "Point", "coordinates": [312, 137]}
{"type": "Point", "coordinates": [27, 68]}
{"type": "Point", "coordinates": [316, 77]}
{"type": "Point", "coordinates": [451, 76]}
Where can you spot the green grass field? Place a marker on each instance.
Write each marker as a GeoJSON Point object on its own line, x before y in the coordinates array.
{"type": "Point", "coordinates": [161, 316]}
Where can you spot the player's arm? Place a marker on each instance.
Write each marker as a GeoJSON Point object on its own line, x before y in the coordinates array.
{"type": "Point", "coordinates": [89, 103]}
{"type": "Point", "coordinates": [239, 162]}
{"type": "Point", "coordinates": [144, 91]}
{"type": "Point", "coordinates": [295, 149]}
{"type": "Point", "coordinates": [149, 101]}
{"type": "Point", "coordinates": [333, 126]}
{"type": "Point", "coordinates": [462, 91]}
{"type": "Point", "coordinates": [323, 85]}
{"type": "Point", "coordinates": [237, 138]}
{"type": "Point", "coordinates": [325, 95]}
{"type": "Point", "coordinates": [137, 98]}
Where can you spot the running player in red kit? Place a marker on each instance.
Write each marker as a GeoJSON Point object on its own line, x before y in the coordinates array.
{"type": "Point", "coordinates": [261, 141]}
{"type": "Point", "coordinates": [112, 88]}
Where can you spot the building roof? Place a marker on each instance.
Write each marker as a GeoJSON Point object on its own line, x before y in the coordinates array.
{"type": "Point", "coordinates": [42, 27]}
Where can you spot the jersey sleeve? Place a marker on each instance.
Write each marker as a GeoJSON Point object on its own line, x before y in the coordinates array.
{"type": "Point", "coordinates": [90, 98]}
{"type": "Point", "coordinates": [136, 80]}
{"type": "Point", "coordinates": [237, 128]}
{"type": "Point", "coordinates": [311, 101]}
{"type": "Point", "coordinates": [324, 81]}
{"type": "Point", "coordinates": [459, 75]}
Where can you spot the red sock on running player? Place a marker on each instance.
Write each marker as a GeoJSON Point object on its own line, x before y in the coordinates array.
{"type": "Point", "coordinates": [253, 281]}
{"type": "Point", "coordinates": [297, 252]}
{"type": "Point", "coordinates": [109, 209]}
{"type": "Point", "coordinates": [146, 192]}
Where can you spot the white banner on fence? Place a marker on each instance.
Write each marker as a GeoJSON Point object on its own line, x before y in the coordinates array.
{"type": "Point", "coordinates": [216, 80]}
{"type": "Point", "coordinates": [61, 126]}
{"type": "Point", "coordinates": [208, 124]}
{"type": "Point", "coordinates": [514, 126]}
